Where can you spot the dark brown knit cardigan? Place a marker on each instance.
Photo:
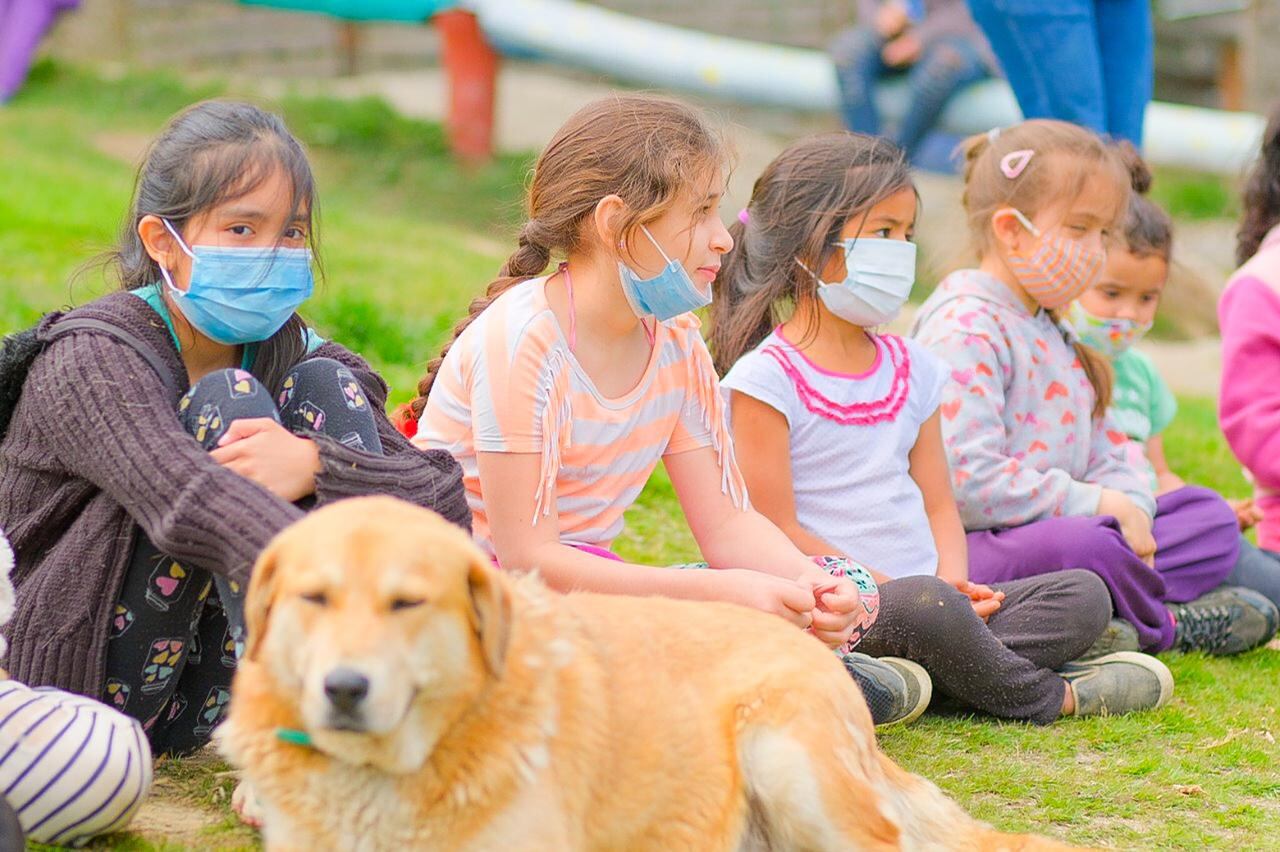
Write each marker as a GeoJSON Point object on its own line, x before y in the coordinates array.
{"type": "Point", "coordinates": [95, 452]}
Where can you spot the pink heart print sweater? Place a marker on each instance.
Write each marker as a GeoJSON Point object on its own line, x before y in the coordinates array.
{"type": "Point", "coordinates": [1016, 410]}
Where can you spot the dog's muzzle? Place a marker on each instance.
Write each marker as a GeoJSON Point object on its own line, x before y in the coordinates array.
{"type": "Point", "coordinates": [346, 689]}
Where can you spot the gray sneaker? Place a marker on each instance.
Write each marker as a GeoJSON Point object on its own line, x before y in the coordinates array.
{"type": "Point", "coordinates": [897, 690]}
{"type": "Point", "coordinates": [1227, 620]}
{"type": "Point", "coordinates": [1119, 635]}
{"type": "Point", "coordinates": [1118, 683]}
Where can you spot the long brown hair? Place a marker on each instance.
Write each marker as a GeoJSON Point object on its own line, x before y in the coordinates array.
{"type": "Point", "coordinates": [798, 207]}
{"type": "Point", "coordinates": [1261, 192]}
{"type": "Point", "coordinates": [1065, 157]}
{"type": "Point", "coordinates": [647, 150]}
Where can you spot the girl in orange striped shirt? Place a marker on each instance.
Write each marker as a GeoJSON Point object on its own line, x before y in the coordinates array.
{"type": "Point", "coordinates": [559, 393]}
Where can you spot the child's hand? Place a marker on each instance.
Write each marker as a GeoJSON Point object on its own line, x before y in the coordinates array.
{"type": "Point", "coordinates": [984, 599]}
{"type": "Point", "coordinates": [903, 50]}
{"type": "Point", "coordinates": [790, 599]}
{"type": "Point", "coordinates": [263, 451]}
{"type": "Point", "coordinates": [1248, 515]}
{"type": "Point", "coordinates": [1135, 526]}
{"type": "Point", "coordinates": [891, 19]}
{"type": "Point", "coordinates": [836, 610]}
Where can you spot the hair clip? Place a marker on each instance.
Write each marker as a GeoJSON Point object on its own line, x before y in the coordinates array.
{"type": "Point", "coordinates": [743, 216]}
{"type": "Point", "coordinates": [1014, 163]}
{"type": "Point", "coordinates": [993, 134]}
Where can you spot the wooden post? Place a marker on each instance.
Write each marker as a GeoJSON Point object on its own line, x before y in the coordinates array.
{"type": "Point", "coordinates": [1262, 60]}
{"type": "Point", "coordinates": [472, 67]}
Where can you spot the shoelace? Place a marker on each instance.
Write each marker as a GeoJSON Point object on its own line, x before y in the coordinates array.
{"type": "Point", "coordinates": [1202, 628]}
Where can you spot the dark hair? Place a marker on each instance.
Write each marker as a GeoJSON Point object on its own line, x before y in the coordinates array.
{"type": "Point", "coordinates": [644, 149]}
{"type": "Point", "coordinates": [1148, 230]}
{"type": "Point", "coordinates": [799, 205]}
{"type": "Point", "coordinates": [1064, 156]}
{"type": "Point", "coordinates": [1261, 192]}
{"type": "Point", "coordinates": [208, 154]}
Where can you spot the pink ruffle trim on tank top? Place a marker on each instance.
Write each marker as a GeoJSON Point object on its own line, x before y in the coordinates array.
{"type": "Point", "coordinates": [881, 410]}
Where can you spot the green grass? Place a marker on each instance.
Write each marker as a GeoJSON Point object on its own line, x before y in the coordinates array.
{"type": "Point", "coordinates": [407, 239]}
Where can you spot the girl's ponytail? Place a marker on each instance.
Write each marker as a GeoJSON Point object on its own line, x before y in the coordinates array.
{"type": "Point", "coordinates": [1097, 369]}
{"type": "Point", "coordinates": [1261, 193]}
{"type": "Point", "coordinates": [530, 259]}
{"type": "Point", "coordinates": [742, 313]}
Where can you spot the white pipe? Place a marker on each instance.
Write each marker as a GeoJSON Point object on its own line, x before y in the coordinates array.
{"type": "Point", "coordinates": [662, 56]}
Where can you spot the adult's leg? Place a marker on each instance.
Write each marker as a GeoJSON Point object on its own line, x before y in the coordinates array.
{"type": "Point", "coordinates": [926, 620]}
{"type": "Point", "coordinates": [1052, 619]}
{"type": "Point", "coordinates": [1049, 53]}
{"type": "Point", "coordinates": [321, 395]}
{"type": "Point", "coordinates": [1197, 542]}
{"type": "Point", "coordinates": [856, 54]}
{"type": "Point", "coordinates": [1257, 569]}
{"type": "Point", "coordinates": [1126, 46]}
{"type": "Point", "coordinates": [1092, 543]}
{"type": "Point", "coordinates": [947, 66]}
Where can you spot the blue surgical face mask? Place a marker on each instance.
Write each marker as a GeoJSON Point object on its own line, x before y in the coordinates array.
{"type": "Point", "coordinates": [878, 278]}
{"type": "Point", "coordinates": [241, 295]}
{"type": "Point", "coordinates": [665, 296]}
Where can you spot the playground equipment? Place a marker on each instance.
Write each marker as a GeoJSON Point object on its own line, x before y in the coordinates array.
{"type": "Point", "coordinates": [657, 55]}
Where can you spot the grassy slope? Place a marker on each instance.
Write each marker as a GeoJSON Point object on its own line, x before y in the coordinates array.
{"type": "Point", "coordinates": [407, 239]}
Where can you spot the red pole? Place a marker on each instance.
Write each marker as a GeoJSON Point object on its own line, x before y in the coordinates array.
{"type": "Point", "coordinates": [472, 66]}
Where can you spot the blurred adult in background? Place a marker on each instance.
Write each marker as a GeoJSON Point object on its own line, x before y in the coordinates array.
{"type": "Point", "coordinates": [1090, 62]}
{"type": "Point", "coordinates": [934, 43]}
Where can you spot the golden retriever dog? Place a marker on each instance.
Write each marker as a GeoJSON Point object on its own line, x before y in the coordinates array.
{"type": "Point", "coordinates": [398, 692]}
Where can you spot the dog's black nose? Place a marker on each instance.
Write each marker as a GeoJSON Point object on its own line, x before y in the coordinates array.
{"type": "Point", "coordinates": [345, 689]}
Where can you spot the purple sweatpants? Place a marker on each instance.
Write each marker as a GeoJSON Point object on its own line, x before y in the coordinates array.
{"type": "Point", "coordinates": [1197, 545]}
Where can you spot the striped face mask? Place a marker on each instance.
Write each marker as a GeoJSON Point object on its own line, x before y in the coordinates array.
{"type": "Point", "coordinates": [1059, 269]}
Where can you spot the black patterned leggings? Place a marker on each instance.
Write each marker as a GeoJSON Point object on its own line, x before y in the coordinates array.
{"type": "Point", "coordinates": [177, 630]}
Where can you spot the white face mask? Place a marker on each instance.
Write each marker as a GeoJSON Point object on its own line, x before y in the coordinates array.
{"type": "Point", "coordinates": [879, 274]}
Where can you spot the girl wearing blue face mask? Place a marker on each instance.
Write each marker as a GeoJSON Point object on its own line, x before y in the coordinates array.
{"type": "Point", "coordinates": [166, 432]}
{"type": "Point", "coordinates": [569, 381]}
{"type": "Point", "coordinates": [837, 428]}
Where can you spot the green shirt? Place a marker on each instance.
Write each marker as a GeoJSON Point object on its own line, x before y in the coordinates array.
{"type": "Point", "coordinates": [151, 295]}
{"type": "Point", "coordinates": [1142, 405]}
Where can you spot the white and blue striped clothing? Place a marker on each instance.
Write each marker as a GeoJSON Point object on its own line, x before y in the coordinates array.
{"type": "Point", "coordinates": [71, 767]}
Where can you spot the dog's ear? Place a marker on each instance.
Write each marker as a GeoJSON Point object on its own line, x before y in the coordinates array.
{"type": "Point", "coordinates": [490, 614]}
{"type": "Point", "coordinates": [257, 602]}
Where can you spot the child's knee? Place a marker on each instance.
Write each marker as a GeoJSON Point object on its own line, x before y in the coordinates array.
{"type": "Point", "coordinates": [1090, 600]}
{"type": "Point", "coordinates": [218, 400]}
{"type": "Point", "coordinates": [933, 603]}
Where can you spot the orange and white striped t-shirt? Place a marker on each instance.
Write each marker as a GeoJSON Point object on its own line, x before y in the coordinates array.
{"type": "Point", "coordinates": [510, 384]}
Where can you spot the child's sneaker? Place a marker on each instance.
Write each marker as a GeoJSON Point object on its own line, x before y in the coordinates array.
{"type": "Point", "coordinates": [1122, 682]}
{"type": "Point", "coordinates": [1119, 635]}
{"type": "Point", "coordinates": [897, 690]}
{"type": "Point", "coordinates": [1227, 620]}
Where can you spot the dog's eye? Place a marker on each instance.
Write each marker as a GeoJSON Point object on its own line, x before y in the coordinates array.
{"type": "Point", "coordinates": [317, 598]}
{"type": "Point", "coordinates": [405, 603]}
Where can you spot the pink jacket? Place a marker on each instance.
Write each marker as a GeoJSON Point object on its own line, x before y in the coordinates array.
{"type": "Point", "coordinates": [1249, 404]}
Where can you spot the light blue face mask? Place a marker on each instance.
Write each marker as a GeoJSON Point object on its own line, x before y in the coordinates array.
{"type": "Point", "coordinates": [665, 296]}
{"type": "Point", "coordinates": [241, 295]}
{"type": "Point", "coordinates": [879, 274]}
